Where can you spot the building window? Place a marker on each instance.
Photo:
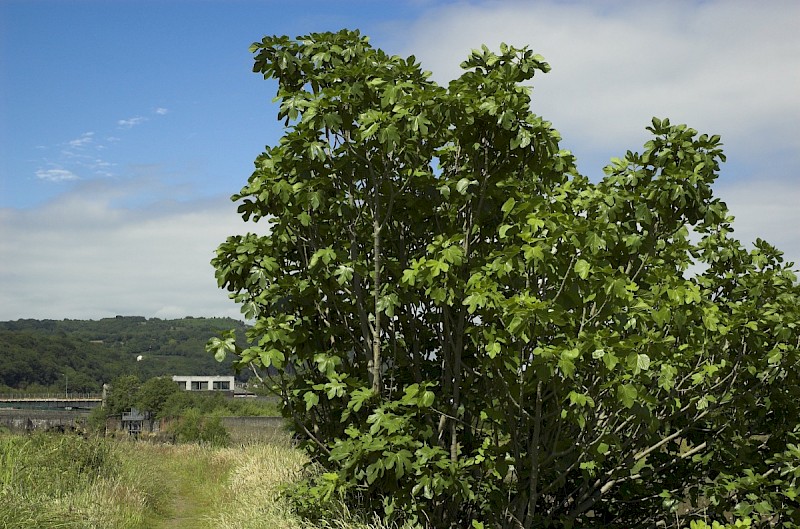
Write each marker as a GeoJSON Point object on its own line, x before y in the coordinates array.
{"type": "Point", "coordinates": [223, 385]}
{"type": "Point", "coordinates": [199, 386]}
{"type": "Point", "coordinates": [181, 384]}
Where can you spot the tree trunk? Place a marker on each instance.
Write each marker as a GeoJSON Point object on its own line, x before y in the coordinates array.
{"type": "Point", "coordinates": [377, 361]}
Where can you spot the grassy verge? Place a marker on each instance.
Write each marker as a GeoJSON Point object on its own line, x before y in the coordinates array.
{"type": "Point", "coordinates": [65, 481]}
{"type": "Point", "coordinates": [252, 497]}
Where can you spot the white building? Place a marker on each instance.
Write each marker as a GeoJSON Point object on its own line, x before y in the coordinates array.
{"type": "Point", "coordinates": [204, 382]}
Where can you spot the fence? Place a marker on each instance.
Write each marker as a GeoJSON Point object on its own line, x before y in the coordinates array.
{"type": "Point", "coordinates": [246, 430]}
{"type": "Point", "coordinates": [50, 396]}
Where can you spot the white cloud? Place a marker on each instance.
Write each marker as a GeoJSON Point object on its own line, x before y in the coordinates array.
{"type": "Point", "coordinates": [767, 211]}
{"type": "Point", "coordinates": [55, 175]}
{"type": "Point", "coordinates": [161, 111]}
{"type": "Point", "coordinates": [728, 67]}
{"type": "Point", "coordinates": [132, 122]}
{"type": "Point", "coordinates": [83, 256]}
{"type": "Point", "coordinates": [85, 139]}
{"type": "Point", "coordinates": [724, 67]}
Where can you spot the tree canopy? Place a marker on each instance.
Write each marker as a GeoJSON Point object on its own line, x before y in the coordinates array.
{"type": "Point", "coordinates": [81, 355]}
{"type": "Point", "coordinates": [480, 334]}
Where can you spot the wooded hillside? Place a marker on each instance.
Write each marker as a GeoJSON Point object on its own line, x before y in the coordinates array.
{"type": "Point", "coordinates": [83, 354]}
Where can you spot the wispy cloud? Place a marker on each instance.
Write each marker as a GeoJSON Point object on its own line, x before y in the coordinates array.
{"type": "Point", "coordinates": [138, 120]}
{"type": "Point", "coordinates": [56, 175]}
{"type": "Point", "coordinates": [76, 157]}
{"type": "Point", "coordinates": [85, 139]}
{"type": "Point", "coordinates": [131, 122]}
{"type": "Point", "coordinates": [101, 167]}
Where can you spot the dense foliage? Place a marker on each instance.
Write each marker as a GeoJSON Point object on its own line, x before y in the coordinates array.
{"type": "Point", "coordinates": [81, 355]}
{"type": "Point", "coordinates": [162, 398]}
{"type": "Point", "coordinates": [36, 360]}
{"type": "Point", "coordinates": [483, 336]}
{"type": "Point", "coordinates": [194, 427]}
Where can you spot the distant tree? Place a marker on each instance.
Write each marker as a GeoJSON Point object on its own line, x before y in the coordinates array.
{"type": "Point", "coordinates": [194, 427]}
{"type": "Point", "coordinates": [177, 403]}
{"type": "Point", "coordinates": [41, 352]}
{"type": "Point", "coordinates": [80, 382]}
{"type": "Point", "coordinates": [123, 394]}
{"type": "Point", "coordinates": [154, 394]}
{"type": "Point", "coordinates": [482, 336]}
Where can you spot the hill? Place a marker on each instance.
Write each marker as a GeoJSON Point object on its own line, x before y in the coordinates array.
{"type": "Point", "coordinates": [83, 354]}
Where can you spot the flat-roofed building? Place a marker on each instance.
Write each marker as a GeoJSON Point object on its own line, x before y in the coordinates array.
{"type": "Point", "coordinates": [204, 382]}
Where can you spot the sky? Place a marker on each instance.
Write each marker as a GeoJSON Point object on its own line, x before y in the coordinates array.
{"type": "Point", "coordinates": [125, 126]}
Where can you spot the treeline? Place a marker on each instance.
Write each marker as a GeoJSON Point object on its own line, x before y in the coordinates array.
{"type": "Point", "coordinates": [81, 355]}
{"type": "Point", "coordinates": [197, 413]}
{"type": "Point", "coordinates": [162, 398]}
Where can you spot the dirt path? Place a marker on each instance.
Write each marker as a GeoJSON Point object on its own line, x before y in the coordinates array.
{"type": "Point", "coordinates": [196, 484]}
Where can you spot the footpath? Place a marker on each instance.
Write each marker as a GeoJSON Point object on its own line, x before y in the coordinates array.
{"type": "Point", "coordinates": [196, 487]}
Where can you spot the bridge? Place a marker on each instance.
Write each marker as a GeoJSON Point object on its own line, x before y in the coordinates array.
{"type": "Point", "coordinates": [63, 401]}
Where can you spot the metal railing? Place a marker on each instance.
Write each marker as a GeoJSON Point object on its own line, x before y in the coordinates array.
{"type": "Point", "coordinates": [6, 397]}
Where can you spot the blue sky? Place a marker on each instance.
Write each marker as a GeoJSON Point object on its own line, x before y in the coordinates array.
{"type": "Point", "coordinates": [125, 126]}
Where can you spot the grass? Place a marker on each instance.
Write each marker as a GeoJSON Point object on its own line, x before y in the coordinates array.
{"type": "Point", "coordinates": [51, 481]}
{"type": "Point", "coordinates": [252, 497]}
{"type": "Point", "coordinates": [65, 481]}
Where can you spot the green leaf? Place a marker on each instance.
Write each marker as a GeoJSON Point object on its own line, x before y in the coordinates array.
{"type": "Point", "coordinates": [582, 268]}
{"type": "Point", "coordinates": [464, 184]}
{"type": "Point", "coordinates": [534, 222]}
{"type": "Point", "coordinates": [453, 255]}
{"type": "Point", "coordinates": [627, 394]}
{"type": "Point", "coordinates": [576, 398]}
{"type": "Point", "coordinates": [311, 399]}
{"type": "Point", "coordinates": [533, 253]}
{"type": "Point", "coordinates": [409, 276]}
{"type": "Point", "coordinates": [221, 347]}
{"type": "Point", "coordinates": [326, 255]}
{"type": "Point", "coordinates": [710, 321]}
{"type": "Point", "coordinates": [595, 242]}
{"type": "Point", "coordinates": [643, 362]}
{"type": "Point", "coordinates": [610, 360]}
{"type": "Point", "coordinates": [344, 274]}
{"type": "Point", "coordinates": [567, 367]}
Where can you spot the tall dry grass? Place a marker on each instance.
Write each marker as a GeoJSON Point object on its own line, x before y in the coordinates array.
{"type": "Point", "coordinates": [68, 482]}
{"type": "Point", "coordinates": [253, 498]}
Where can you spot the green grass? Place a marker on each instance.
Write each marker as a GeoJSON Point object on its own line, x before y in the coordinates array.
{"type": "Point", "coordinates": [65, 481]}
{"type": "Point", "coordinates": [53, 481]}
